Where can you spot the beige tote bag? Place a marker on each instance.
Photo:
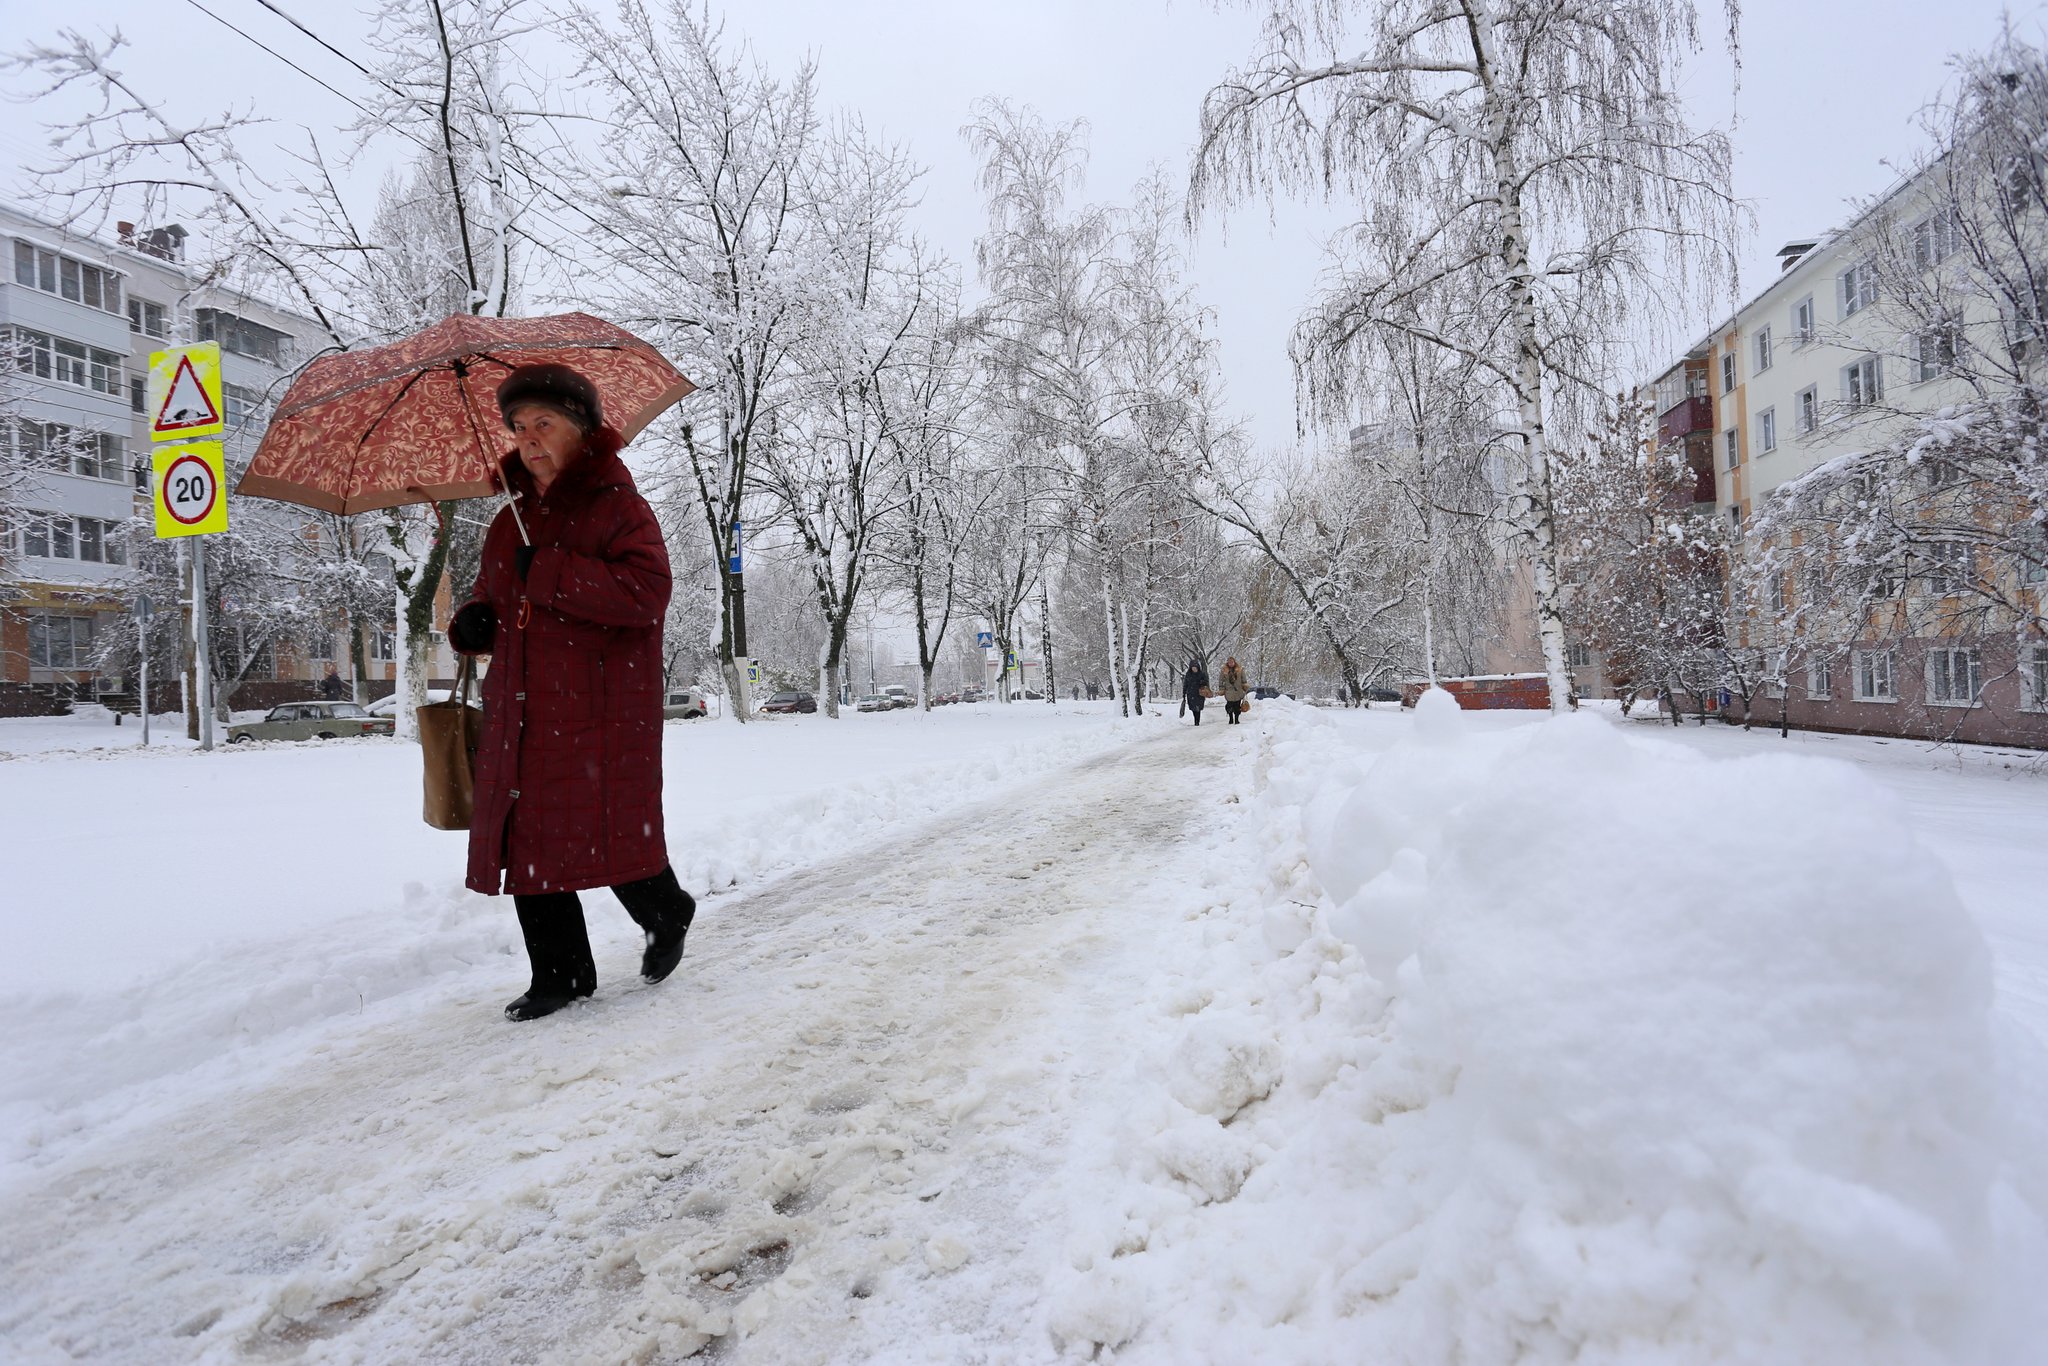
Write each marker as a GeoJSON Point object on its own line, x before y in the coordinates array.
{"type": "Point", "coordinates": [448, 737]}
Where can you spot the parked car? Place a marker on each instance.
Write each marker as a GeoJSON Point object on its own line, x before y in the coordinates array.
{"type": "Point", "coordinates": [875, 702]}
{"type": "Point", "coordinates": [388, 704]}
{"type": "Point", "coordinates": [899, 696]}
{"type": "Point", "coordinates": [687, 703]}
{"type": "Point", "coordinates": [1381, 694]}
{"type": "Point", "coordinates": [311, 721]}
{"type": "Point", "coordinates": [971, 695]}
{"type": "Point", "coordinates": [1270, 694]}
{"type": "Point", "coordinates": [783, 703]}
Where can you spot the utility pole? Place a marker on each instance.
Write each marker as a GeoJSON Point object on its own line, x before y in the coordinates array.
{"type": "Point", "coordinates": [142, 631]}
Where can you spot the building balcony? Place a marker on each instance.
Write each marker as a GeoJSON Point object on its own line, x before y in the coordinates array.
{"type": "Point", "coordinates": [1691, 415]}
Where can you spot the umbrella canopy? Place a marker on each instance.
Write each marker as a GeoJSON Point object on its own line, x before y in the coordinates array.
{"type": "Point", "coordinates": [417, 421]}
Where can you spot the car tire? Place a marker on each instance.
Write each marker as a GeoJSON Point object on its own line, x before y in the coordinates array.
{"type": "Point", "coordinates": [324, 735]}
{"type": "Point", "coordinates": [239, 739]}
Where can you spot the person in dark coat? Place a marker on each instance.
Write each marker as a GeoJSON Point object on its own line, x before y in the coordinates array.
{"type": "Point", "coordinates": [331, 686]}
{"type": "Point", "coordinates": [568, 769]}
{"type": "Point", "coordinates": [1194, 688]}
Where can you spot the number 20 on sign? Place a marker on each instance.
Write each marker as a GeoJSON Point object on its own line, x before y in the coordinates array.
{"type": "Point", "coordinates": [191, 489]}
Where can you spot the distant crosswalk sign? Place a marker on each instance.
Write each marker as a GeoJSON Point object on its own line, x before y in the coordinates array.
{"type": "Point", "coordinates": [985, 639]}
{"type": "Point", "coordinates": [191, 489]}
{"type": "Point", "coordinates": [184, 393]}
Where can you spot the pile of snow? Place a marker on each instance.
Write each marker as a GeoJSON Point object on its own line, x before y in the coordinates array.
{"type": "Point", "coordinates": [1552, 1043]}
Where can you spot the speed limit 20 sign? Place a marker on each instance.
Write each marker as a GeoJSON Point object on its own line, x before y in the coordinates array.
{"type": "Point", "coordinates": [191, 489]}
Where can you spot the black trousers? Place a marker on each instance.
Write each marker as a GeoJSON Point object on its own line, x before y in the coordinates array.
{"type": "Point", "coordinates": [1232, 710]}
{"type": "Point", "coordinates": [558, 942]}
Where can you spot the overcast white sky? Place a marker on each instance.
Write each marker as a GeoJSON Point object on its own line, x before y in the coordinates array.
{"type": "Point", "coordinates": [1829, 93]}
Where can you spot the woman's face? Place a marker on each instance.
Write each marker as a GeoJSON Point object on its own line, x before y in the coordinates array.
{"type": "Point", "coordinates": [547, 441]}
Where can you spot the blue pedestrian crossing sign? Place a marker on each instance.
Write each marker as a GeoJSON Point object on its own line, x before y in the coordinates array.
{"type": "Point", "coordinates": [985, 639]}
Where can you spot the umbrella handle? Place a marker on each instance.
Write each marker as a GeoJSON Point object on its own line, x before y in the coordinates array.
{"type": "Point", "coordinates": [517, 520]}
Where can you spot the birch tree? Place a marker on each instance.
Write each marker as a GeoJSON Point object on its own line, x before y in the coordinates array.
{"type": "Point", "coordinates": [1532, 156]}
{"type": "Point", "coordinates": [699, 212]}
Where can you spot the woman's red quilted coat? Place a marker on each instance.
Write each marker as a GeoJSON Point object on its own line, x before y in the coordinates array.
{"type": "Point", "coordinates": [568, 774]}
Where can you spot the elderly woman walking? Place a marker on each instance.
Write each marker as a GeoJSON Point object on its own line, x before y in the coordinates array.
{"type": "Point", "coordinates": [1235, 689]}
{"type": "Point", "coordinates": [568, 772]}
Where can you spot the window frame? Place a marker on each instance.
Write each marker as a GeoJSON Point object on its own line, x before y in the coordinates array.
{"type": "Point", "coordinates": [1820, 678]}
{"type": "Point", "coordinates": [1855, 289]}
{"type": "Point", "coordinates": [1729, 379]}
{"type": "Point", "coordinates": [1767, 430]}
{"type": "Point", "coordinates": [1805, 323]}
{"type": "Point", "coordinates": [1860, 662]}
{"type": "Point", "coordinates": [2033, 669]}
{"type": "Point", "coordinates": [1972, 673]}
{"type": "Point", "coordinates": [1731, 442]}
{"type": "Point", "coordinates": [1762, 359]}
{"type": "Point", "coordinates": [1866, 372]}
{"type": "Point", "coordinates": [1806, 410]}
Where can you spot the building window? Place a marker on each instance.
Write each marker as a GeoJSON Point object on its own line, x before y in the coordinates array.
{"type": "Point", "coordinates": [146, 318]}
{"type": "Point", "coordinates": [1955, 677]}
{"type": "Point", "coordinates": [1735, 518]}
{"type": "Point", "coordinates": [1936, 237]}
{"type": "Point", "coordinates": [1763, 350]}
{"type": "Point", "coordinates": [1807, 410]}
{"type": "Point", "coordinates": [1802, 320]}
{"type": "Point", "coordinates": [1857, 288]}
{"type": "Point", "coordinates": [59, 642]}
{"type": "Point", "coordinates": [2034, 678]}
{"type": "Point", "coordinates": [1948, 567]}
{"type": "Point", "coordinates": [67, 362]}
{"type": "Point", "coordinates": [1767, 430]}
{"type": "Point", "coordinates": [68, 277]}
{"type": "Point", "coordinates": [1820, 679]}
{"type": "Point", "coordinates": [1579, 657]}
{"type": "Point", "coordinates": [1934, 352]}
{"type": "Point", "coordinates": [1888, 581]}
{"type": "Point", "coordinates": [244, 338]}
{"type": "Point", "coordinates": [69, 450]}
{"type": "Point", "coordinates": [55, 536]}
{"type": "Point", "coordinates": [1779, 598]}
{"type": "Point", "coordinates": [383, 646]}
{"type": "Point", "coordinates": [243, 405]}
{"type": "Point", "coordinates": [1728, 373]}
{"type": "Point", "coordinates": [1874, 681]}
{"type": "Point", "coordinates": [1863, 382]}
{"type": "Point", "coordinates": [1734, 447]}
{"type": "Point", "coordinates": [138, 393]}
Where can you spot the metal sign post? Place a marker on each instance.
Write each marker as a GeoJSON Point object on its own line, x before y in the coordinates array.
{"type": "Point", "coordinates": [185, 394]}
{"type": "Point", "coordinates": [142, 611]}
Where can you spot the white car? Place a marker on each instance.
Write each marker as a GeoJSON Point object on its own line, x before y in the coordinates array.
{"type": "Point", "coordinates": [686, 703]}
{"type": "Point", "coordinates": [388, 705]}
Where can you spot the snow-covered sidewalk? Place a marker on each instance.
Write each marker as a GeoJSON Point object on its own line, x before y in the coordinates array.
{"type": "Point", "coordinates": [824, 1136]}
{"type": "Point", "coordinates": [1332, 1037]}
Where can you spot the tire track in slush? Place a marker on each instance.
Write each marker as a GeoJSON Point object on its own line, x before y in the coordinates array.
{"type": "Point", "coordinates": [820, 1141]}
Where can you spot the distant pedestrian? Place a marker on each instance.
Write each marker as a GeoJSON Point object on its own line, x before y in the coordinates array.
{"type": "Point", "coordinates": [331, 686]}
{"type": "Point", "coordinates": [1234, 688]}
{"type": "Point", "coordinates": [568, 772]}
{"type": "Point", "coordinates": [1194, 688]}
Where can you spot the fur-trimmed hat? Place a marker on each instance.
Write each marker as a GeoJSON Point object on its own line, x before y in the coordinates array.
{"type": "Point", "coordinates": [558, 387]}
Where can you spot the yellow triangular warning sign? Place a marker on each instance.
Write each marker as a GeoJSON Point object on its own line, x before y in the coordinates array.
{"type": "Point", "coordinates": [187, 405]}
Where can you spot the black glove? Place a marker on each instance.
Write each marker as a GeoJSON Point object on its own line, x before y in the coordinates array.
{"type": "Point", "coordinates": [474, 629]}
{"type": "Point", "coordinates": [522, 560]}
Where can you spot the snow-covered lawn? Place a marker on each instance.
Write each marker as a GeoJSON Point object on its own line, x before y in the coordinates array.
{"type": "Point", "coordinates": [1030, 1035]}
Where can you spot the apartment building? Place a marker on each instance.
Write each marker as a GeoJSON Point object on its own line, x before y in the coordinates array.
{"type": "Point", "coordinates": [79, 318]}
{"type": "Point", "coordinates": [1813, 369]}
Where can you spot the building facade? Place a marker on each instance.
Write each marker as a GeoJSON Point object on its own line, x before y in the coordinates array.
{"type": "Point", "coordinates": [79, 318]}
{"type": "Point", "coordinates": [1814, 371]}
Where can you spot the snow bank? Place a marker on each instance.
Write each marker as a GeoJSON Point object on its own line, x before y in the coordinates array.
{"type": "Point", "coordinates": [1549, 1043]}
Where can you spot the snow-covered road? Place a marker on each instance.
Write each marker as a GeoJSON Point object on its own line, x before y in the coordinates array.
{"type": "Point", "coordinates": [825, 1138]}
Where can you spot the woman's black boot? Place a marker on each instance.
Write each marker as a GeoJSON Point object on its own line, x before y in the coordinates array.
{"type": "Point", "coordinates": [558, 947]}
{"type": "Point", "coordinates": [661, 907]}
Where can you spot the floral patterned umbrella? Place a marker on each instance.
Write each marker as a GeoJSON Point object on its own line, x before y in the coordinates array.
{"type": "Point", "coordinates": [417, 421]}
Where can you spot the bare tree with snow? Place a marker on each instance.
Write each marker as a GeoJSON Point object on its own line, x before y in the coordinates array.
{"type": "Point", "coordinates": [1533, 156]}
